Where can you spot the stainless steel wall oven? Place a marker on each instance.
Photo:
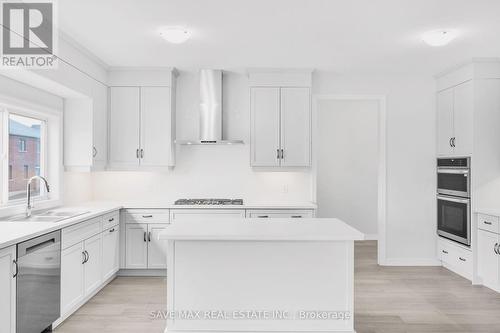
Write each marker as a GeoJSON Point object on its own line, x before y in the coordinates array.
{"type": "Point", "coordinates": [453, 199]}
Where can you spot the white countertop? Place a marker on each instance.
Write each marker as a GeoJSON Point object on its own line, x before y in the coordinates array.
{"type": "Point", "coordinates": [488, 211]}
{"type": "Point", "coordinates": [15, 232]}
{"type": "Point", "coordinates": [250, 205]}
{"type": "Point", "coordinates": [308, 229]}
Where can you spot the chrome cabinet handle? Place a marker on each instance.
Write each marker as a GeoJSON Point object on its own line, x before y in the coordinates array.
{"type": "Point", "coordinates": [495, 248]}
{"type": "Point", "coordinates": [486, 222]}
{"type": "Point", "coordinates": [147, 216]}
{"type": "Point", "coordinates": [445, 252]}
{"type": "Point", "coordinates": [296, 216]}
{"type": "Point", "coordinates": [142, 153]}
{"type": "Point", "coordinates": [111, 219]}
{"type": "Point", "coordinates": [112, 230]}
{"type": "Point", "coordinates": [451, 144]}
{"type": "Point", "coordinates": [137, 153]}
{"type": "Point", "coordinates": [278, 154]}
{"type": "Point", "coordinates": [282, 154]}
{"type": "Point", "coordinates": [84, 258]}
{"type": "Point", "coordinates": [94, 151]}
{"type": "Point", "coordinates": [462, 259]}
{"type": "Point", "coordinates": [17, 268]}
{"type": "Point", "coordinates": [149, 236]}
{"type": "Point", "coordinates": [263, 216]}
{"type": "Point", "coordinates": [145, 236]}
{"type": "Point", "coordinates": [453, 141]}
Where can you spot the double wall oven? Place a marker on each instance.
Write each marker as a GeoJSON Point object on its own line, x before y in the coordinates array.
{"type": "Point", "coordinates": [453, 199]}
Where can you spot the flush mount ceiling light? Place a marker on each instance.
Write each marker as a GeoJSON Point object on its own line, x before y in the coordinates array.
{"type": "Point", "coordinates": [175, 35]}
{"type": "Point", "coordinates": [439, 37]}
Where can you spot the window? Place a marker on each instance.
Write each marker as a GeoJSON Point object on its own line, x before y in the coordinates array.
{"type": "Point", "coordinates": [25, 138]}
{"type": "Point", "coordinates": [22, 145]}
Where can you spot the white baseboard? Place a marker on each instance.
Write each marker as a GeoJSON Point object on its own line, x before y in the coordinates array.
{"type": "Point", "coordinates": [142, 272]}
{"type": "Point", "coordinates": [411, 262]}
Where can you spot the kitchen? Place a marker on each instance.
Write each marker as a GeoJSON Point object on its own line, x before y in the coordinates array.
{"type": "Point", "coordinates": [381, 142]}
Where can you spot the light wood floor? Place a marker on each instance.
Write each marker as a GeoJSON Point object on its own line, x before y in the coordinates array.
{"type": "Point", "coordinates": [387, 300]}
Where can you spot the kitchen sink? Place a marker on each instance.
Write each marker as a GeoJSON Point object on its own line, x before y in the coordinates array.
{"type": "Point", "coordinates": [46, 216]}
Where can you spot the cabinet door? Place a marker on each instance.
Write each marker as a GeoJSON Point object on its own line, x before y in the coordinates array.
{"type": "Point", "coordinates": [488, 260]}
{"type": "Point", "coordinates": [157, 250]}
{"type": "Point", "coordinates": [7, 290]}
{"type": "Point", "coordinates": [463, 114]}
{"type": "Point", "coordinates": [110, 252]}
{"type": "Point", "coordinates": [72, 283]}
{"type": "Point", "coordinates": [445, 122]}
{"type": "Point", "coordinates": [136, 246]}
{"type": "Point", "coordinates": [296, 127]}
{"type": "Point", "coordinates": [100, 123]}
{"type": "Point", "coordinates": [265, 131]}
{"type": "Point", "coordinates": [156, 127]}
{"type": "Point", "coordinates": [124, 127]}
{"type": "Point", "coordinates": [93, 266]}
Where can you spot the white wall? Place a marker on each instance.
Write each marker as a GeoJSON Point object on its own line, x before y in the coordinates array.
{"type": "Point", "coordinates": [347, 162]}
{"type": "Point", "coordinates": [208, 171]}
{"type": "Point", "coordinates": [411, 153]}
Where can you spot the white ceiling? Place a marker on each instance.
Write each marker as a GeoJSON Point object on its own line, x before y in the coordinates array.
{"type": "Point", "coordinates": [348, 36]}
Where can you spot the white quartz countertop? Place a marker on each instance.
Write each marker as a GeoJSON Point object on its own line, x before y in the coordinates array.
{"type": "Point", "coordinates": [250, 205]}
{"type": "Point", "coordinates": [12, 233]}
{"type": "Point", "coordinates": [488, 211]}
{"type": "Point", "coordinates": [279, 229]}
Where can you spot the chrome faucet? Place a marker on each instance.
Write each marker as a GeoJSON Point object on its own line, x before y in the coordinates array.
{"type": "Point", "coordinates": [29, 206]}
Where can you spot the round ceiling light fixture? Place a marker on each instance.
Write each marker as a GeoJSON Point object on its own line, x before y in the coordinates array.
{"type": "Point", "coordinates": [175, 35]}
{"type": "Point", "coordinates": [439, 37]}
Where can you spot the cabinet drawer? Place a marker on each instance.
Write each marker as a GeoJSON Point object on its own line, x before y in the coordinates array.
{"type": "Point", "coordinates": [110, 220]}
{"type": "Point", "coordinates": [455, 258]}
{"type": "Point", "coordinates": [147, 216]}
{"type": "Point", "coordinates": [196, 214]}
{"type": "Point", "coordinates": [488, 223]}
{"type": "Point", "coordinates": [279, 213]}
{"type": "Point", "coordinates": [81, 231]}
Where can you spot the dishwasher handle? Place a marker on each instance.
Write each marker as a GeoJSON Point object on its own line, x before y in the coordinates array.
{"type": "Point", "coordinates": [38, 243]}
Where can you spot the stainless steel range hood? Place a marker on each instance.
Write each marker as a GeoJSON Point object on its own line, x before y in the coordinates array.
{"type": "Point", "coordinates": [210, 111]}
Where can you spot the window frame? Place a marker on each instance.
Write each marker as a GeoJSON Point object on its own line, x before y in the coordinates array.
{"type": "Point", "coordinates": [22, 146]}
{"type": "Point", "coordinates": [6, 111]}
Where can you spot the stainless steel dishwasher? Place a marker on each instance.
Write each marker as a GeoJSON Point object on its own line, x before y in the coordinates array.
{"type": "Point", "coordinates": [38, 283]}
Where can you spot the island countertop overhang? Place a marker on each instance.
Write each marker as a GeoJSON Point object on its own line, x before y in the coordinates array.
{"type": "Point", "coordinates": [277, 229]}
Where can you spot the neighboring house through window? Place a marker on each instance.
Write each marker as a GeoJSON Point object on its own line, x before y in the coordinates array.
{"type": "Point", "coordinates": [22, 145]}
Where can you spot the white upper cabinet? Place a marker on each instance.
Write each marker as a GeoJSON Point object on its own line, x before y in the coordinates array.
{"type": "Point", "coordinates": [468, 109]}
{"type": "Point", "coordinates": [280, 118]}
{"type": "Point", "coordinates": [142, 120]}
{"type": "Point", "coordinates": [124, 127]}
{"type": "Point", "coordinates": [157, 143]}
{"type": "Point", "coordinates": [265, 140]}
{"type": "Point", "coordinates": [86, 130]}
{"type": "Point", "coordinates": [295, 126]}
{"type": "Point", "coordinates": [463, 118]}
{"type": "Point", "coordinates": [445, 122]}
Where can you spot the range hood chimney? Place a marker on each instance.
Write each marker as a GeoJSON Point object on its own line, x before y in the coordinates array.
{"type": "Point", "coordinates": [210, 110]}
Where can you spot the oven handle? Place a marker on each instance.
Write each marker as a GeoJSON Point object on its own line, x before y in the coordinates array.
{"type": "Point", "coordinates": [454, 171]}
{"type": "Point", "coordinates": [459, 200]}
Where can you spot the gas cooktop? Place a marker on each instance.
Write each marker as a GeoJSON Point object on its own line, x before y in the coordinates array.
{"type": "Point", "coordinates": [209, 202]}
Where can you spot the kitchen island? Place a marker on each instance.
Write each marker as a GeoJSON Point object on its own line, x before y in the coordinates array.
{"type": "Point", "coordinates": [260, 275]}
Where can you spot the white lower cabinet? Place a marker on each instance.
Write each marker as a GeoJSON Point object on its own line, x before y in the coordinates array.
{"type": "Point", "coordinates": [143, 249]}
{"type": "Point", "coordinates": [72, 277]}
{"type": "Point", "coordinates": [93, 263]}
{"type": "Point", "coordinates": [488, 257]}
{"type": "Point", "coordinates": [136, 254]}
{"type": "Point", "coordinates": [110, 252]}
{"type": "Point", "coordinates": [8, 290]}
{"type": "Point", "coordinates": [455, 258]}
{"type": "Point", "coordinates": [80, 272]}
{"type": "Point", "coordinates": [188, 214]}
